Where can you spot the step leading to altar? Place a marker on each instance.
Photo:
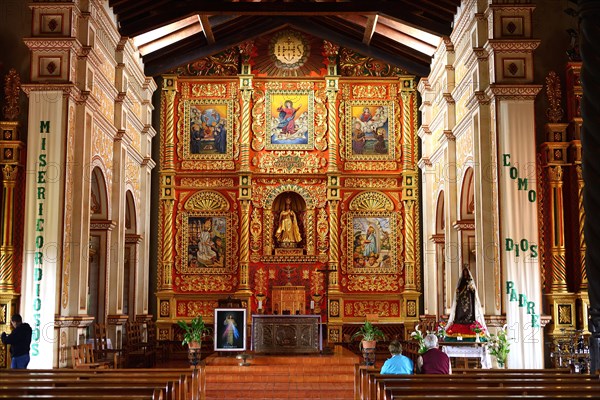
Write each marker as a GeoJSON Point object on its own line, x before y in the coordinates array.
{"type": "Point", "coordinates": [282, 376]}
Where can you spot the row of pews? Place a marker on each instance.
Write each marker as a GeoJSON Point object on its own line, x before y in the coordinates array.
{"type": "Point", "coordinates": [468, 384]}
{"type": "Point", "coordinates": [103, 384]}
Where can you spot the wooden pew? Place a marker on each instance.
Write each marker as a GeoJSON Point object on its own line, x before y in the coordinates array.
{"type": "Point", "coordinates": [451, 385]}
{"type": "Point", "coordinates": [367, 379]}
{"type": "Point", "coordinates": [179, 384]}
{"type": "Point", "coordinates": [149, 392]}
{"type": "Point", "coordinates": [543, 391]}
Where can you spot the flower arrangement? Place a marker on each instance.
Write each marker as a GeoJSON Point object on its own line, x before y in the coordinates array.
{"type": "Point", "coordinates": [441, 330]}
{"type": "Point", "coordinates": [499, 346]}
{"type": "Point", "coordinates": [418, 336]}
{"type": "Point", "coordinates": [477, 327]}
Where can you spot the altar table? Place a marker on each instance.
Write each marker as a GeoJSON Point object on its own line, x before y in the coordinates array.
{"type": "Point", "coordinates": [469, 350]}
{"type": "Point", "coordinates": [286, 334]}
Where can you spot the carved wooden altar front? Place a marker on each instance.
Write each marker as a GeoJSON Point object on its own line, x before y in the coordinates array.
{"type": "Point", "coordinates": [301, 175]}
{"type": "Point", "coordinates": [286, 334]}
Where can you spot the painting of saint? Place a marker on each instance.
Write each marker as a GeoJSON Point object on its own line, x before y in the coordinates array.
{"type": "Point", "coordinates": [208, 130]}
{"type": "Point", "coordinates": [371, 242]}
{"type": "Point", "coordinates": [207, 241]}
{"type": "Point", "coordinates": [290, 120]}
{"type": "Point", "coordinates": [369, 130]}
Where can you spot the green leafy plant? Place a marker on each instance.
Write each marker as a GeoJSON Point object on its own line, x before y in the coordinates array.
{"type": "Point", "coordinates": [194, 331]}
{"type": "Point", "coordinates": [499, 346]}
{"type": "Point", "coordinates": [369, 332]}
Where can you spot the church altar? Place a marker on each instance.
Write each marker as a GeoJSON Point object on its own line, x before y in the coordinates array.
{"type": "Point", "coordinates": [289, 334]}
{"type": "Point", "coordinates": [468, 350]}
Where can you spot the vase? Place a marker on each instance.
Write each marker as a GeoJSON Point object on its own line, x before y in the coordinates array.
{"type": "Point", "coordinates": [477, 340]}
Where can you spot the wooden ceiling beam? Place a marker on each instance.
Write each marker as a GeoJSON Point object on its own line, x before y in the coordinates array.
{"type": "Point", "coordinates": [315, 29]}
{"type": "Point", "coordinates": [174, 58]}
{"type": "Point", "coordinates": [210, 38]}
{"type": "Point", "coordinates": [143, 19]}
{"type": "Point", "coordinates": [370, 26]}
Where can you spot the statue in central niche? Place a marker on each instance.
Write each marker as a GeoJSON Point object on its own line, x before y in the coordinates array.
{"type": "Point", "coordinates": [288, 232]}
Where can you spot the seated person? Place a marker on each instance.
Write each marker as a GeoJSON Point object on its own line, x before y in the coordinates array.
{"type": "Point", "coordinates": [433, 361]}
{"type": "Point", "coordinates": [397, 364]}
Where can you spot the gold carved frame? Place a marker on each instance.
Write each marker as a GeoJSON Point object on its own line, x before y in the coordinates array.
{"type": "Point", "coordinates": [209, 113]}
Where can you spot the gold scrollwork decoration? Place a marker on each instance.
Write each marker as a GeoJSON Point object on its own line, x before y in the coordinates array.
{"type": "Point", "coordinates": [207, 201]}
{"type": "Point", "coordinates": [322, 232]}
{"type": "Point", "coordinates": [255, 234]}
{"type": "Point", "coordinates": [371, 201]}
{"type": "Point", "coordinates": [320, 116]}
{"type": "Point", "coordinates": [258, 120]}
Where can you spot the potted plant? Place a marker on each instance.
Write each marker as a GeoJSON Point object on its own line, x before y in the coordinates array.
{"type": "Point", "coordinates": [193, 334]}
{"type": "Point", "coordinates": [369, 334]}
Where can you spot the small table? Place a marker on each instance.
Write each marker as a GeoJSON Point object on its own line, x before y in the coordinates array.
{"type": "Point", "coordinates": [468, 350]}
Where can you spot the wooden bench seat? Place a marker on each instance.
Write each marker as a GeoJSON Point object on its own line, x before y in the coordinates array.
{"type": "Point", "coordinates": [124, 391]}
{"type": "Point", "coordinates": [371, 385]}
{"type": "Point", "coordinates": [173, 384]}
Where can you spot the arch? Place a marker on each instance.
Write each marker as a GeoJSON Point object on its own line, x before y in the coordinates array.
{"type": "Point", "coordinates": [99, 206]}
{"type": "Point", "coordinates": [130, 214]}
{"type": "Point", "coordinates": [467, 195]}
{"type": "Point", "coordinates": [309, 200]}
{"type": "Point", "coordinates": [371, 201]}
{"type": "Point", "coordinates": [440, 223]}
{"type": "Point", "coordinates": [207, 200]}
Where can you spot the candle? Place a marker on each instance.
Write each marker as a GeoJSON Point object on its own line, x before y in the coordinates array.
{"type": "Point", "coordinates": [260, 304]}
{"type": "Point", "coordinates": [312, 304]}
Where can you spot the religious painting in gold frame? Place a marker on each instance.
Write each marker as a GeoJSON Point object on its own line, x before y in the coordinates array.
{"type": "Point", "coordinates": [208, 129]}
{"type": "Point", "coordinates": [370, 131]}
{"type": "Point", "coordinates": [207, 243]}
{"type": "Point", "coordinates": [289, 120]}
{"type": "Point", "coordinates": [372, 242]}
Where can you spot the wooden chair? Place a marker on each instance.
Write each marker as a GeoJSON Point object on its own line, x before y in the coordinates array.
{"type": "Point", "coordinates": [139, 352]}
{"type": "Point", "coordinates": [101, 348]}
{"type": "Point", "coordinates": [82, 356]}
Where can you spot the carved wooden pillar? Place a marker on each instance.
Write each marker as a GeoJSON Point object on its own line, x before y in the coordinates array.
{"type": "Point", "coordinates": [410, 195]}
{"type": "Point", "coordinates": [589, 15]}
{"type": "Point", "coordinates": [10, 160]}
{"type": "Point", "coordinates": [245, 178]}
{"type": "Point", "coordinates": [167, 184]}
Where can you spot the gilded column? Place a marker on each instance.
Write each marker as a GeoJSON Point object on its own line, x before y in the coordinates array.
{"type": "Point", "coordinates": [410, 295]}
{"type": "Point", "coordinates": [10, 160]}
{"type": "Point", "coordinates": [583, 287]}
{"type": "Point", "coordinates": [557, 234]}
{"type": "Point", "coordinates": [554, 156]}
{"type": "Point", "coordinates": [330, 51]}
{"type": "Point", "coordinates": [7, 262]}
{"type": "Point", "coordinates": [245, 247]}
{"type": "Point", "coordinates": [589, 14]}
{"type": "Point", "coordinates": [167, 182]}
{"type": "Point", "coordinates": [334, 247]}
{"type": "Point", "coordinates": [245, 178]}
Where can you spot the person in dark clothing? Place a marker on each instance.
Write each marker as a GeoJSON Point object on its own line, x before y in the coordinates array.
{"type": "Point", "coordinates": [433, 361]}
{"type": "Point", "coordinates": [19, 340]}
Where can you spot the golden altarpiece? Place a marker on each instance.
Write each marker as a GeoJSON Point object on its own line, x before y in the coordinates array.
{"type": "Point", "coordinates": [289, 161]}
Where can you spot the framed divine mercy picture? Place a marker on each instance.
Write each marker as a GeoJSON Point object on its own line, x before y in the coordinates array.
{"type": "Point", "coordinates": [230, 329]}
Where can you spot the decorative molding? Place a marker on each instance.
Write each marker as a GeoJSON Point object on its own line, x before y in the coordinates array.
{"type": "Point", "coordinates": [371, 201]}
{"type": "Point", "coordinates": [464, 225]}
{"type": "Point", "coordinates": [555, 112]}
{"type": "Point", "coordinates": [207, 201]}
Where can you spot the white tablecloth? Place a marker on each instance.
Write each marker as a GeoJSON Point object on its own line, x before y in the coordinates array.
{"type": "Point", "coordinates": [475, 351]}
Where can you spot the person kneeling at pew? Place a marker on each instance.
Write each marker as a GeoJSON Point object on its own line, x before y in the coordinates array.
{"type": "Point", "coordinates": [397, 364]}
{"type": "Point", "coordinates": [433, 361]}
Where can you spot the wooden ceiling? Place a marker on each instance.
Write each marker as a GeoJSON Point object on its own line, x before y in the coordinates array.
{"type": "Point", "coordinates": [170, 33]}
